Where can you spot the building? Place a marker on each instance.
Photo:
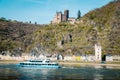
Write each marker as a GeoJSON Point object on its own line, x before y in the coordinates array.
{"type": "Point", "coordinates": [98, 51]}
{"type": "Point", "coordinates": [72, 20]}
{"type": "Point", "coordinates": [65, 16]}
{"type": "Point", "coordinates": [59, 17]}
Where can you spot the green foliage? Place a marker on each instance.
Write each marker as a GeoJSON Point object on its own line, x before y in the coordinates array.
{"type": "Point", "coordinates": [106, 26]}
{"type": "Point", "coordinates": [2, 19]}
{"type": "Point", "coordinates": [79, 15]}
{"type": "Point", "coordinates": [100, 25]}
{"type": "Point", "coordinates": [15, 34]}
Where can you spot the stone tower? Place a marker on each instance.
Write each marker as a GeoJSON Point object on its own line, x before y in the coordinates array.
{"type": "Point", "coordinates": [98, 52]}
{"type": "Point", "coordinates": [66, 15]}
{"type": "Point", "coordinates": [57, 18]}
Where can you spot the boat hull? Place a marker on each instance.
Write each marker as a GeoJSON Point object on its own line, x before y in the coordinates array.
{"type": "Point", "coordinates": [40, 66]}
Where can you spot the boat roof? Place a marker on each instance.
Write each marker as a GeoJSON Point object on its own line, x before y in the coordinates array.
{"type": "Point", "coordinates": [39, 63]}
{"type": "Point", "coordinates": [40, 60]}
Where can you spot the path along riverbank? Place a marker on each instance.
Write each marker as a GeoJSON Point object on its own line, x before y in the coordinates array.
{"type": "Point", "coordinates": [69, 63]}
{"type": "Point", "coordinates": [90, 63]}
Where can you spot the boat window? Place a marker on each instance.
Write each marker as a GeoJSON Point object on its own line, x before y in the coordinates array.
{"type": "Point", "coordinates": [47, 61]}
{"type": "Point", "coordinates": [44, 64]}
{"type": "Point", "coordinates": [35, 61]}
{"type": "Point", "coordinates": [49, 64]}
{"type": "Point", "coordinates": [54, 64]}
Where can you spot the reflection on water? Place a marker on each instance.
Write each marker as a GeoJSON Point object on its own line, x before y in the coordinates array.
{"type": "Point", "coordinates": [13, 72]}
{"type": "Point", "coordinates": [98, 76]}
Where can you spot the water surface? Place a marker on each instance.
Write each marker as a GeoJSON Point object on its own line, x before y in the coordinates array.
{"type": "Point", "coordinates": [13, 72]}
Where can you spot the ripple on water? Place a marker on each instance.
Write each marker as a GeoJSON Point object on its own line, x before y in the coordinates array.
{"type": "Point", "coordinates": [13, 72]}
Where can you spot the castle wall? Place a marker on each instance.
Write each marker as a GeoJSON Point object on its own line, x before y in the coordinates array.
{"type": "Point", "coordinates": [59, 17]}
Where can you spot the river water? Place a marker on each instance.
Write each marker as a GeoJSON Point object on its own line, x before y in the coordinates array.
{"type": "Point", "coordinates": [13, 72]}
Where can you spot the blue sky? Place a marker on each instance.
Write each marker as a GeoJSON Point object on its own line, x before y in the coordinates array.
{"type": "Point", "coordinates": [43, 11]}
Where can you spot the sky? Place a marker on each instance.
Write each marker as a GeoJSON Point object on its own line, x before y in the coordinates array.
{"type": "Point", "coordinates": [43, 11]}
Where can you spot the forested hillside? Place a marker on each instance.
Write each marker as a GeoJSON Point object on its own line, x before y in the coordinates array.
{"type": "Point", "coordinates": [101, 25]}
{"type": "Point", "coordinates": [106, 22]}
{"type": "Point", "coordinates": [15, 36]}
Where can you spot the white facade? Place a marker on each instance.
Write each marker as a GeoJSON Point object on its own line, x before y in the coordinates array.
{"type": "Point", "coordinates": [72, 20]}
{"type": "Point", "coordinates": [109, 58]}
{"type": "Point", "coordinates": [116, 58]}
{"type": "Point", "coordinates": [98, 51]}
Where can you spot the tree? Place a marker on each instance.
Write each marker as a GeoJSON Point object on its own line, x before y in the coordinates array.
{"type": "Point", "coordinates": [79, 15]}
{"type": "Point", "coordinates": [3, 19]}
{"type": "Point", "coordinates": [30, 22]}
{"type": "Point", "coordinates": [116, 0]}
{"type": "Point", "coordinates": [35, 22]}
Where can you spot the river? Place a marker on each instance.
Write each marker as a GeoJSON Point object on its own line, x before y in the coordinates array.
{"type": "Point", "coordinates": [14, 72]}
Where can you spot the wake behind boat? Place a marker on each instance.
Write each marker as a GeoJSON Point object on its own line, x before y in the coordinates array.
{"type": "Point", "coordinates": [39, 64]}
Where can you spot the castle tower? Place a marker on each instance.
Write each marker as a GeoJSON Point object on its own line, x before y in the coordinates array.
{"type": "Point", "coordinates": [65, 15]}
{"type": "Point", "coordinates": [98, 51]}
{"type": "Point", "coordinates": [57, 18]}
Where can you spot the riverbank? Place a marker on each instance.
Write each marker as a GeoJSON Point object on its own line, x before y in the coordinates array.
{"type": "Point", "coordinates": [9, 61]}
{"type": "Point", "coordinates": [89, 64]}
{"type": "Point", "coordinates": [69, 63]}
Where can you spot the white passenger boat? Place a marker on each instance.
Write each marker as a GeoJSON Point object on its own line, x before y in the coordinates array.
{"type": "Point", "coordinates": [39, 64]}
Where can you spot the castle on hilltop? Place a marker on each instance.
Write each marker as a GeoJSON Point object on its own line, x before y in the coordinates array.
{"type": "Point", "coordinates": [59, 17]}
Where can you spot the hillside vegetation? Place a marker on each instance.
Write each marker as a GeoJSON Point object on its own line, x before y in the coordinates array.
{"type": "Point", "coordinates": [106, 21]}
{"type": "Point", "coordinates": [101, 26]}
{"type": "Point", "coordinates": [15, 36]}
